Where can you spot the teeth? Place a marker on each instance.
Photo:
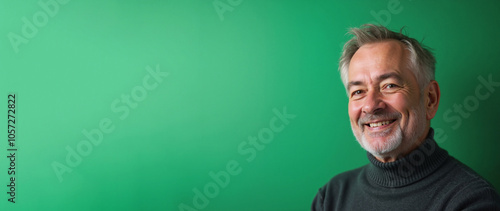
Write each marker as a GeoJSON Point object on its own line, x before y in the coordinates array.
{"type": "Point", "coordinates": [378, 124]}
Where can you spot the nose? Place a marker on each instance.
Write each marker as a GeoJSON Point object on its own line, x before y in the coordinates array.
{"type": "Point", "coordinates": [373, 102]}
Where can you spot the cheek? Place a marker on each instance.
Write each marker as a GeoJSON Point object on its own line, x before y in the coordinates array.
{"type": "Point", "coordinates": [401, 104]}
{"type": "Point", "coordinates": [354, 111]}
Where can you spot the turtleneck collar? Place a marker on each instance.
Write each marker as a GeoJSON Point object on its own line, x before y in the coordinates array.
{"type": "Point", "coordinates": [415, 166]}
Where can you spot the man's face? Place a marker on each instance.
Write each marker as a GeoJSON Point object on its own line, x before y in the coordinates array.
{"type": "Point", "coordinates": [386, 110]}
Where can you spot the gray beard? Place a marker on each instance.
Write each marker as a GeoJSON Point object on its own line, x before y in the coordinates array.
{"type": "Point", "coordinates": [397, 137]}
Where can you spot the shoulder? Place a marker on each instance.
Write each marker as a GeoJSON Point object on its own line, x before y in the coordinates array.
{"type": "Point", "coordinates": [465, 177]}
{"type": "Point", "coordinates": [471, 191]}
{"type": "Point", "coordinates": [344, 179]}
{"type": "Point", "coordinates": [330, 192]}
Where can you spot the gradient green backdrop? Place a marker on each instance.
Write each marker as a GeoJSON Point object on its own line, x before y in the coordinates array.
{"type": "Point", "coordinates": [226, 77]}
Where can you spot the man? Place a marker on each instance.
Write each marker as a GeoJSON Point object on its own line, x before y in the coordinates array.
{"type": "Point", "coordinates": [389, 79]}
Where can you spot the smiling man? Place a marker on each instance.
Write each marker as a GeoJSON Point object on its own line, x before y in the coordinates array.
{"type": "Point", "coordinates": [389, 79]}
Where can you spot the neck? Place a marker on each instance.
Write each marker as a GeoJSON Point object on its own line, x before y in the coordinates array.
{"type": "Point", "coordinates": [408, 169]}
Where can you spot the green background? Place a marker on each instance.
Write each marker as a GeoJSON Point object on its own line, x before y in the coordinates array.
{"type": "Point", "coordinates": [225, 78]}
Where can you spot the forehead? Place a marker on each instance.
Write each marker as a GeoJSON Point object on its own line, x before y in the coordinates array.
{"type": "Point", "coordinates": [375, 59]}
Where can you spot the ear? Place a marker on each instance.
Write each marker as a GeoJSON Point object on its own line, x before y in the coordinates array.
{"type": "Point", "coordinates": [432, 96]}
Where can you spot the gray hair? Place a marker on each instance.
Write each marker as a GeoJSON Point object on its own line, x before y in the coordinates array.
{"type": "Point", "coordinates": [421, 59]}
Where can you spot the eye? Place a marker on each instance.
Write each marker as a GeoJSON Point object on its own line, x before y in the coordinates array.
{"type": "Point", "coordinates": [357, 92]}
{"type": "Point", "coordinates": [390, 86]}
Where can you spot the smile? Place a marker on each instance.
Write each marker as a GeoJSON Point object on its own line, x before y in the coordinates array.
{"type": "Point", "coordinates": [380, 123]}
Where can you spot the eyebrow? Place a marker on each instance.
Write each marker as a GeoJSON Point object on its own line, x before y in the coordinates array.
{"type": "Point", "coordinates": [353, 83]}
{"type": "Point", "coordinates": [389, 75]}
{"type": "Point", "coordinates": [379, 78]}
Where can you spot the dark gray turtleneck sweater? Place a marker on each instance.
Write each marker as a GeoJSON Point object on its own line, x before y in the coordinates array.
{"type": "Point", "coordinates": [426, 179]}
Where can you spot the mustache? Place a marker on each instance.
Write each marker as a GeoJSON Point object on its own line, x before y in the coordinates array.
{"type": "Point", "coordinates": [371, 117]}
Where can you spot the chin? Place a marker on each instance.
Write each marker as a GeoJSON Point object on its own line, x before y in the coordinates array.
{"type": "Point", "coordinates": [382, 146]}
